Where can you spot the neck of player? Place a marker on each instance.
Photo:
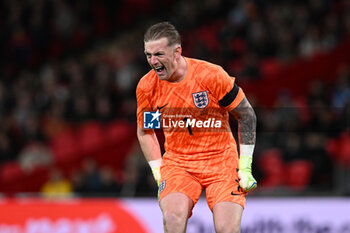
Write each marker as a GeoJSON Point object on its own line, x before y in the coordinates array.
{"type": "Point", "coordinates": [180, 72]}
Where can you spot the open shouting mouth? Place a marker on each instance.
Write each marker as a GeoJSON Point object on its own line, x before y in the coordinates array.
{"type": "Point", "coordinates": [159, 70]}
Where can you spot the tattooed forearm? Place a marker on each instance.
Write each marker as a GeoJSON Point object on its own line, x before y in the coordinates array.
{"type": "Point", "coordinates": [245, 115]}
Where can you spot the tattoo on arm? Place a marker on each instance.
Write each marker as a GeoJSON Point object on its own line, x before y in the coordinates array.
{"type": "Point", "coordinates": [245, 115]}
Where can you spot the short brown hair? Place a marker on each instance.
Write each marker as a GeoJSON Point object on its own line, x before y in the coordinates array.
{"type": "Point", "coordinates": [163, 30]}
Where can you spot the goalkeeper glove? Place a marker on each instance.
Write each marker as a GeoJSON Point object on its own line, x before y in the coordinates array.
{"type": "Point", "coordinates": [247, 181]}
{"type": "Point", "coordinates": [155, 166]}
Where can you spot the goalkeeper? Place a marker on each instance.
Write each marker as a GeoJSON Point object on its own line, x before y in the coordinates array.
{"type": "Point", "coordinates": [198, 156]}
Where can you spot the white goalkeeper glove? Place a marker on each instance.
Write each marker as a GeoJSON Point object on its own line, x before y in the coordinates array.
{"type": "Point", "coordinates": [246, 179]}
{"type": "Point", "coordinates": [155, 166]}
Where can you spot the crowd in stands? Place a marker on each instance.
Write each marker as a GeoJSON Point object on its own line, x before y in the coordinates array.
{"type": "Point", "coordinates": [298, 132]}
{"type": "Point", "coordinates": [64, 63]}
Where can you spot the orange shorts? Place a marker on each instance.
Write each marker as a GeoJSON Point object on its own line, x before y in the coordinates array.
{"type": "Point", "coordinates": [219, 179]}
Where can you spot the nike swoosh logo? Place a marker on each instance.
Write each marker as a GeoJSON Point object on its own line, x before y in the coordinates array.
{"type": "Point", "coordinates": [159, 108]}
{"type": "Point", "coordinates": [232, 193]}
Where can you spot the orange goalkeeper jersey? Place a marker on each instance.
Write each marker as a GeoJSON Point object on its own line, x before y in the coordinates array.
{"type": "Point", "coordinates": [193, 113]}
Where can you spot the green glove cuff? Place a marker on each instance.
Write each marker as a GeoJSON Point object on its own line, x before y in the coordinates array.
{"type": "Point", "coordinates": [245, 163]}
{"type": "Point", "coordinates": [156, 174]}
{"type": "Point", "coordinates": [155, 166]}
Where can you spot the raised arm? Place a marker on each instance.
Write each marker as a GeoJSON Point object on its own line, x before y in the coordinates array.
{"type": "Point", "coordinates": [245, 115]}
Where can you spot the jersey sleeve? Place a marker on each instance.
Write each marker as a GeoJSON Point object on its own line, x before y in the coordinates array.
{"type": "Point", "coordinates": [225, 90]}
{"type": "Point", "coordinates": [143, 104]}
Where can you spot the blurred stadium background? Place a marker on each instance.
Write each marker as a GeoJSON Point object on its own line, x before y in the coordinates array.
{"type": "Point", "coordinates": [69, 69]}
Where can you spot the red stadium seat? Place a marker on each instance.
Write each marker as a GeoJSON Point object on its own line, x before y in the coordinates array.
{"type": "Point", "coordinates": [120, 132]}
{"type": "Point", "coordinates": [120, 139]}
{"type": "Point", "coordinates": [269, 68]}
{"type": "Point", "coordinates": [91, 138]}
{"type": "Point", "coordinates": [344, 151]}
{"type": "Point", "coordinates": [65, 147]}
{"type": "Point", "coordinates": [298, 174]}
{"type": "Point", "coordinates": [339, 149]}
{"type": "Point", "coordinates": [10, 172]}
{"type": "Point", "coordinates": [272, 166]}
{"type": "Point", "coordinates": [332, 148]}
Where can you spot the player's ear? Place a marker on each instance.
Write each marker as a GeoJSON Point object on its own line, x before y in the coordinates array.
{"type": "Point", "coordinates": [178, 51]}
